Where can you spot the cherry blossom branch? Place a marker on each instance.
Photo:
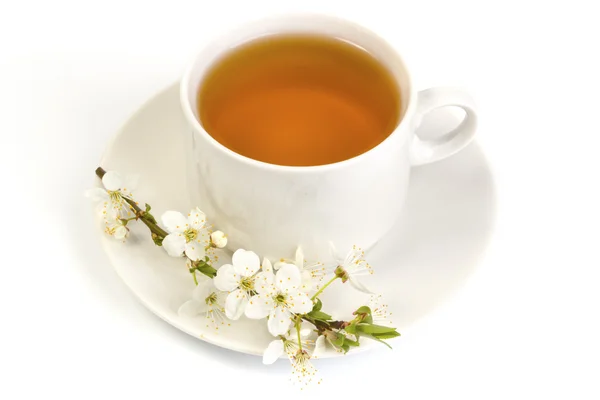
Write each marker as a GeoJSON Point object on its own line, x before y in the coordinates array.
{"type": "Point", "coordinates": [140, 214]}
{"type": "Point", "coordinates": [190, 238]}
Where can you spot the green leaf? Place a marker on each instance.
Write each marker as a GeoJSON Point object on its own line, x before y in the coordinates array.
{"type": "Point", "coordinates": [207, 270]}
{"type": "Point", "coordinates": [345, 347]}
{"type": "Point", "coordinates": [351, 328]}
{"type": "Point", "coordinates": [377, 340]}
{"type": "Point", "coordinates": [365, 313]}
{"type": "Point", "coordinates": [339, 341]}
{"type": "Point", "coordinates": [388, 335]}
{"type": "Point", "coordinates": [319, 315]}
{"type": "Point", "coordinates": [350, 342]}
{"type": "Point", "coordinates": [376, 332]}
{"type": "Point", "coordinates": [374, 329]}
{"type": "Point", "coordinates": [317, 306]}
{"type": "Point", "coordinates": [363, 310]}
{"type": "Point", "coordinates": [149, 216]}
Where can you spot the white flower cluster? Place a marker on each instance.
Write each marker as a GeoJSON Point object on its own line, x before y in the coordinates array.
{"type": "Point", "coordinates": [279, 293]}
{"type": "Point", "coordinates": [285, 292]}
{"type": "Point", "coordinates": [112, 202]}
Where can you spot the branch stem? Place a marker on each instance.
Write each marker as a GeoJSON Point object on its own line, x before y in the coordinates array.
{"type": "Point", "coordinates": [323, 288]}
{"type": "Point", "coordinates": [298, 320]}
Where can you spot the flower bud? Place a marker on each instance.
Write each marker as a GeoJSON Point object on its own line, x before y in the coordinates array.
{"type": "Point", "coordinates": [341, 273]}
{"type": "Point", "coordinates": [218, 239]}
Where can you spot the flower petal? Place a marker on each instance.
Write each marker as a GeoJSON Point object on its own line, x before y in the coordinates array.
{"type": "Point", "coordinates": [307, 283]}
{"type": "Point", "coordinates": [263, 283]}
{"type": "Point", "coordinates": [288, 277]}
{"type": "Point", "coordinates": [218, 239]}
{"type": "Point", "coordinates": [353, 255]}
{"type": "Point", "coordinates": [203, 290]}
{"type": "Point", "coordinates": [266, 265]}
{"type": "Point", "coordinates": [130, 182]}
{"type": "Point", "coordinates": [174, 221]}
{"type": "Point", "coordinates": [194, 250]}
{"type": "Point", "coordinates": [196, 218]}
{"type": "Point", "coordinates": [203, 237]}
{"type": "Point", "coordinates": [112, 181]}
{"type": "Point", "coordinates": [299, 302]}
{"type": "Point", "coordinates": [110, 214]}
{"type": "Point", "coordinates": [246, 263]}
{"type": "Point", "coordinates": [358, 286]}
{"type": "Point", "coordinates": [120, 233]}
{"type": "Point", "coordinates": [174, 244]}
{"type": "Point", "coordinates": [279, 321]}
{"type": "Point", "coordinates": [299, 258]}
{"type": "Point", "coordinates": [278, 264]}
{"type": "Point", "coordinates": [192, 308]}
{"type": "Point", "coordinates": [226, 279]}
{"type": "Point", "coordinates": [259, 306]}
{"type": "Point", "coordinates": [273, 351]}
{"type": "Point", "coordinates": [334, 253]}
{"type": "Point", "coordinates": [97, 194]}
{"type": "Point", "coordinates": [320, 348]}
{"type": "Point", "coordinates": [235, 304]}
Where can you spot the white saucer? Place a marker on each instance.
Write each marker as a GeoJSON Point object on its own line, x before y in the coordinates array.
{"type": "Point", "coordinates": [426, 257]}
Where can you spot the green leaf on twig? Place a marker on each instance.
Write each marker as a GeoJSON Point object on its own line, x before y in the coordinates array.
{"type": "Point", "coordinates": [376, 332]}
{"type": "Point", "coordinates": [374, 329]}
{"type": "Point", "coordinates": [351, 328]}
{"type": "Point", "coordinates": [341, 341]}
{"type": "Point", "coordinates": [149, 216]}
{"type": "Point", "coordinates": [318, 305]}
{"type": "Point", "coordinates": [364, 315]}
{"type": "Point", "coordinates": [157, 239]}
{"type": "Point", "coordinates": [204, 268]}
{"type": "Point", "coordinates": [319, 315]}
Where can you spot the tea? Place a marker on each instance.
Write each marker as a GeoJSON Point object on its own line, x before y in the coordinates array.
{"type": "Point", "coordinates": [299, 100]}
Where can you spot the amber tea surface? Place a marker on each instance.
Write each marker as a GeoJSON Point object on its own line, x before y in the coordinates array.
{"type": "Point", "coordinates": [299, 100]}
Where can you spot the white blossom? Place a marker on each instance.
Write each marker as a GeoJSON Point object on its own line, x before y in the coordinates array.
{"type": "Point", "coordinates": [186, 234]}
{"type": "Point", "coordinates": [352, 267]}
{"type": "Point", "coordinates": [279, 299]}
{"type": "Point", "coordinates": [218, 239]}
{"type": "Point", "coordinates": [115, 227]}
{"type": "Point", "coordinates": [241, 278]}
{"type": "Point", "coordinates": [312, 272]}
{"type": "Point", "coordinates": [111, 198]}
{"type": "Point", "coordinates": [288, 344]}
{"type": "Point", "coordinates": [206, 300]}
{"type": "Point", "coordinates": [303, 371]}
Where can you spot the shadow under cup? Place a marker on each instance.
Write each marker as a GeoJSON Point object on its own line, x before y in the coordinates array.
{"type": "Point", "coordinates": [272, 209]}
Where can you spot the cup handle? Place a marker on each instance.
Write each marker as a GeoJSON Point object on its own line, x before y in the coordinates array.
{"type": "Point", "coordinates": [427, 151]}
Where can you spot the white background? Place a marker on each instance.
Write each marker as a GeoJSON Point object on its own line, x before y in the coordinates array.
{"type": "Point", "coordinates": [526, 324]}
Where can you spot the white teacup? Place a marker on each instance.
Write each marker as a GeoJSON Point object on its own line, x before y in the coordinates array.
{"type": "Point", "coordinates": [272, 209]}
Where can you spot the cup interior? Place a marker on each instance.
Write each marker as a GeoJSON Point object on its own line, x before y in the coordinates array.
{"type": "Point", "coordinates": [293, 24]}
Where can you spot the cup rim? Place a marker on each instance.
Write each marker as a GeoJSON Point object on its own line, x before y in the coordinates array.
{"type": "Point", "coordinates": [199, 129]}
